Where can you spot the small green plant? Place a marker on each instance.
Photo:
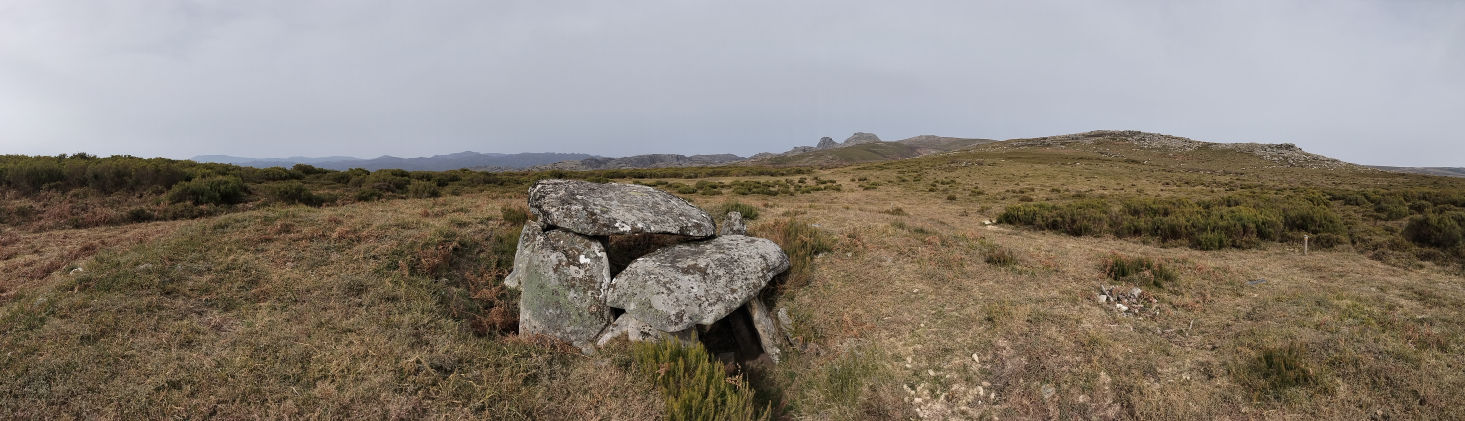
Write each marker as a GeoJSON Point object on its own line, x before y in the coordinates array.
{"type": "Point", "coordinates": [1139, 270]}
{"type": "Point", "coordinates": [997, 255]}
{"type": "Point", "coordinates": [295, 192]}
{"type": "Point", "coordinates": [897, 211]}
{"type": "Point", "coordinates": [748, 211]}
{"type": "Point", "coordinates": [1277, 369]}
{"type": "Point", "coordinates": [695, 386]}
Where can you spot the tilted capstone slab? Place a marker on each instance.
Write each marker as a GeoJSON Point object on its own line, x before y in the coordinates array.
{"type": "Point", "coordinates": [694, 283]}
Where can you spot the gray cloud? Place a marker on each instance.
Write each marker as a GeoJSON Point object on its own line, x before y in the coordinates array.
{"type": "Point", "coordinates": [1371, 82]}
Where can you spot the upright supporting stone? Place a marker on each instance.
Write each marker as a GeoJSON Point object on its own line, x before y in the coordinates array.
{"type": "Point", "coordinates": [768, 334]}
{"type": "Point", "coordinates": [563, 277]}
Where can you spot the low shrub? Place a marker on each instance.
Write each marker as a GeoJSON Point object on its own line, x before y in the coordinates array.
{"type": "Point", "coordinates": [1443, 231]}
{"type": "Point", "coordinates": [695, 386]}
{"type": "Point", "coordinates": [801, 242]}
{"type": "Point", "coordinates": [999, 256]}
{"type": "Point", "coordinates": [296, 192]}
{"type": "Point", "coordinates": [423, 189]}
{"type": "Point", "coordinates": [226, 189]}
{"type": "Point", "coordinates": [749, 212]}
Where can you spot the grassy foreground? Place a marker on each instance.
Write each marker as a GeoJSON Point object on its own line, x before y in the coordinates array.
{"type": "Point", "coordinates": [911, 308]}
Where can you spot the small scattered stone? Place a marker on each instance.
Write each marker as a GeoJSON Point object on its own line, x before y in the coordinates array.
{"type": "Point", "coordinates": [733, 225]}
{"type": "Point", "coordinates": [1121, 307]}
{"type": "Point", "coordinates": [1048, 391]}
{"type": "Point", "coordinates": [76, 271]}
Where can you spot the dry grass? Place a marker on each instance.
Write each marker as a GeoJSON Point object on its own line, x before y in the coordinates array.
{"type": "Point", "coordinates": [369, 310]}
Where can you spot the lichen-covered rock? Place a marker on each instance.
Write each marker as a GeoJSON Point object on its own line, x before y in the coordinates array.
{"type": "Point", "coordinates": [637, 331]}
{"type": "Point", "coordinates": [695, 283]}
{"type": "Point", "coordinates": [563, 277]}
{"type": "Point", "coordinates": [733, 224]}
{"type": "Point", "coordinates": [612, 209]}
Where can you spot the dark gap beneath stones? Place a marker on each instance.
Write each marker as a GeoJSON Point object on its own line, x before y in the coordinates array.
{"type": "Point", "coordinates": [623, 249]}
{"type": "Point", "coordinates": [733, 339]}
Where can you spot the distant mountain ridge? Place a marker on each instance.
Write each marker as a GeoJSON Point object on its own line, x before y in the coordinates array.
{"type": "Point", "coordinates": [472, 160]}
{"type": "Point", "coordinates": [642, 161]}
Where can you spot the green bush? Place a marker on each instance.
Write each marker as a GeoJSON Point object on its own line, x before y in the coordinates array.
{"type": "Point", "coordinates": [695, 386]}
{"type": "Point", "coordinates": [209, 190]}
{"type": "Point", "coordinates": [1139, 271]}
{"type": "Point", "coordinates": [423, 189]}
{"type": "Point", "coordinates": [296, 192]}
{"type": "Point", "coordinates": [1442, 231]}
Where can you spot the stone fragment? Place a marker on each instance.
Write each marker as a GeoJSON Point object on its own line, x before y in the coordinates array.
{"type": "Point", "coordinates": [733, 225]}
{"type": "Point", "coordinates": [695, 283]}
{"type": "Point", "coordinates": [598, 209]}
{"type": "Point", "coordinates": [531, 234]}
{"type": "Point", "coordinates": [563, 278]}
{"type": "Point", "coordinates": [636, 331]}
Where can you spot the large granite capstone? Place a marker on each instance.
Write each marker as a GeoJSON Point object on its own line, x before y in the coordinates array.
{"type": "Point", "coordinates": [597, 209]}
{"type": "Point", "coordinates": [676, 287]}
{"type": "Point", "coordinates": [563, 277]}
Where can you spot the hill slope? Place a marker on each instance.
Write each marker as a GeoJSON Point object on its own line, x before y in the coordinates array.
{"type": "Point", "coordinates": [912, 306]}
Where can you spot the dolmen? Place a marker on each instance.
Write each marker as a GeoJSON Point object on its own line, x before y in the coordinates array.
{"type": "Point", "coordinates": [603, 261]}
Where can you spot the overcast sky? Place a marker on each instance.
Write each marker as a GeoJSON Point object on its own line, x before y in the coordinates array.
{"type": "Point", "coordinates": [1376, 82]}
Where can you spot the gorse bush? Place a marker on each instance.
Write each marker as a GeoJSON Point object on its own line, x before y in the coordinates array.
{"type": "Point", "coordinates": [296, 192]}
{"type": "Point", "coordinates": [695, 386]}
{"type": "Point", "coordinates": [1139, 270]}
{"type": "Point", "coordinates": [209, 190]}
{"type": "Point", "coordinates": [1443, 231]}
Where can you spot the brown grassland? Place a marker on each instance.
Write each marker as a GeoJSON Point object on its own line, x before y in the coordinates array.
{"type": "Point", "coordinates": [915, 309]}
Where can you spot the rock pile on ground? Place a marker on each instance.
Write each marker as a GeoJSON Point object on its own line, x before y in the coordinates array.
{"type": "Point", "coordinates": [682, 281]}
